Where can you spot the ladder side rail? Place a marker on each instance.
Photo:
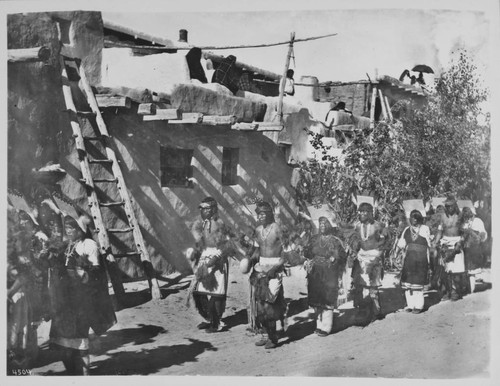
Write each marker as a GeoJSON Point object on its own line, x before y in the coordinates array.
{"type": "Point", "coordinates": [84, 164]}
{"type": "Point", "coordinates": [93, 102]}
{"type": "Point", "coordinates": [122, 188]}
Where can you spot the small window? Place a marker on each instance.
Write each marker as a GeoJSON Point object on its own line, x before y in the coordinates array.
{"type": "Point", "coordinates": [64, 30]}
{"type": "Point", "coordinates": [175, 166]}
{"type": "Point", "coordinates": [286, 150]}
{"type": "Point", "coordinates": [230, 160]}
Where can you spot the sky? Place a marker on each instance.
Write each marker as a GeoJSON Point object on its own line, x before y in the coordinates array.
{"type": "Point", "coordinates": [381, 37]}
{"type": "Point", "coordinates": [368, 41]}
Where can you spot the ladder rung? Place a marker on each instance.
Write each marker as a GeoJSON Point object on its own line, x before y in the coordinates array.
{"type": "Point", "coordinates": [86, 114]}
{"type": "Point", "coordinates": [105, 179]}
{"type": "Point", "coordinates": [111, 203]}
{"type": "Point", "coordinates": [110, 180]}
{"type": "Point", "coordinates": [69, 58]}
{"type": "Point", "coordinates": [126, 254]}
{"type": "Point", "coordinates": [120, 230]}
{"type": "Point", "coordinates": [100, 161]}
{"type": "Point", "coordinates": [93, 138]}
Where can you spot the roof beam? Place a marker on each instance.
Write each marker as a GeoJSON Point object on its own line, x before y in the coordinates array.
{"type": "Point", "coordinates": [164, 115]}
{"type": "Point", "coordinates": [113, 101]}
{"type": "Point", "coordinates": [34, 54]}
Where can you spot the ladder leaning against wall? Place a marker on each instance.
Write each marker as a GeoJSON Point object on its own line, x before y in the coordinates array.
{"type": "Point", "coordinates": [116, 183]}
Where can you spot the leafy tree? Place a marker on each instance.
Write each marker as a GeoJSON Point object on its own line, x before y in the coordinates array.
{"type": "Point", "coordinates": [442, 147]}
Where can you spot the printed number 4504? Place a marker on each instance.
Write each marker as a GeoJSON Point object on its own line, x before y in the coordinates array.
{"type": "Point", "coordinates": [21, 372]}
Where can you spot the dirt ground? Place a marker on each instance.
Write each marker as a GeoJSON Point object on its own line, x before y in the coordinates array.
{"type": "Point", "coordinates": [450, 340]}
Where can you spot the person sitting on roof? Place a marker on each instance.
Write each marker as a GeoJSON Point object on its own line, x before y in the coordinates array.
{"type": "Point", "coordinates": [330, 116]}
{"type": "Point", "coordinates": [289, 83]}
{"type": "Point", "coordinates": [420, 79]}
{"type": "Point", "coordinates": [404, 74]}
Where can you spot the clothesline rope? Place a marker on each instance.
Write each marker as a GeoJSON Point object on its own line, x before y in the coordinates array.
{"type": "Point", "coordinates": [188, 47]}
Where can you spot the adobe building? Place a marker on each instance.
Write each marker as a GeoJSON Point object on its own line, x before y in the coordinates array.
{"type": "Point", "coordinates": [177, 139]}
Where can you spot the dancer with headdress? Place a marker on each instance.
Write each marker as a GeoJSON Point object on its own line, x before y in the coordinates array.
{"type": "Point", "coordinates": [267, 301]}
{"type": "Point", "coordinates": [451, 257]}
{"type": "Point", "coordinates": [326, 260]}
{"type": "Point", "coordinates": [367, 268]}
{"type": "Point", "coordinates": [209, 260]}
{"type": "Point", "coordinates": [415, 241]}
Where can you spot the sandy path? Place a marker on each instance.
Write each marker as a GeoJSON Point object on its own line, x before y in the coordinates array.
{"type": "Point", "coordinates": [160, 338]}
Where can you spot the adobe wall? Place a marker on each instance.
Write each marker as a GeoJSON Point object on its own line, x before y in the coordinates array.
{"type": "Point", "coordinates": [34, 98]}
{"type": "Point", "coordinates": [82, 35]}
{"type": "Point", "coordinates": [165, 214]}
{"type": "Point", "coordinates": [356, 96]}
{"type": "Point", "coordinates": [40, 131]}
{"type": "Point", "coordinates": [36, 119]}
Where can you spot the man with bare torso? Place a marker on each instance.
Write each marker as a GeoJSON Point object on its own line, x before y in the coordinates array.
{"type": "Point", "coordinates": [267, 301]}
{"type": "Point", "coordinates": [367, 269]}
{"type": "Point", "coordinates": [451, 257]}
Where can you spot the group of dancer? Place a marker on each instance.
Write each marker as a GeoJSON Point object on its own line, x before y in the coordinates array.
{"type": "Point", "coordinates": [55, 272]}
{"type": "Point", "coordinates": [447, 259]}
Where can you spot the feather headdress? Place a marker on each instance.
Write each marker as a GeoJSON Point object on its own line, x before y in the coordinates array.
{"type": "Point", "coordinates": [18, 201]}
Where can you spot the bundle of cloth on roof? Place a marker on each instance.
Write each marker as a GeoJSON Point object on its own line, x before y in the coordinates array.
{"type": "Point", "coordinates": [193, 58]}
{"type": "Point", "coordinates": [227, 74]}
{"type": "Point", "coordinates": [341, 118]}
{"type": "Point", "coordinates": [197, 98]}
{"type": "Point", "coordinates": [138, 95]}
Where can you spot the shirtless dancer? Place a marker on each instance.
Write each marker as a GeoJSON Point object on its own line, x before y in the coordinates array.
{"type": "Point", "coordinates": [448, 240]}
{"type": "Point", "coordinates": [267, 299]}
{"type": "Point", "coordinates": [367, 269]}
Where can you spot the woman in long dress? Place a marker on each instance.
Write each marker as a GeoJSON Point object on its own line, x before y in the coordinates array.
{"type": "Point", "coordinates": [473, 234]}
{"type": "Point", "coordinates": [326, 260]}
{"type": "Point", "coordinates": [82, 298]}
{"type": "Point", "coordinates": [27, 270]}
{"type": "Point", "coordinates": [415, 241]}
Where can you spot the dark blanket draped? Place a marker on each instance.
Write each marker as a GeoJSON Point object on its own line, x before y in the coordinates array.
{"type": "Point", "coordinates": [78, 306]}
{"type": "Point", "coordinates": [323, 274]}
{"type": "Point", "coordinates": [415, 266]}
{"type": "Point", "coordinates": [268, 307]}
{"type": "Point", "coordinates": [323, 283]}
{"type": "Point", "coordinates": [196, 71]}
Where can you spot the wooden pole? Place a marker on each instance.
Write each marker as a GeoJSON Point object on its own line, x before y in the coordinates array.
{"type": "Point", "coordinates": [283, 79]}
{"type": "Point", "coordinates": [382, 104]}
{"type": "Point", "coordinates": [391, 118]}
{"type": "Point", "coordinates": [372, 107]}
{"type": "Point", "coordinates": [35, 54]}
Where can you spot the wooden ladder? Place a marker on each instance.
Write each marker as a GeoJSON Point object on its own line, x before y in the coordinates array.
{"type": "Point", "coordinates": [72, 66]}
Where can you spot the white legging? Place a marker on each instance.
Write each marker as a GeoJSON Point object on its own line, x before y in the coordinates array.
{"type": "Point", "coordinates": [414, 299]}
{"type": "Point", "coordinates": [472, 282]}
{"type": "Point", "coordinates": [324, 319]}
